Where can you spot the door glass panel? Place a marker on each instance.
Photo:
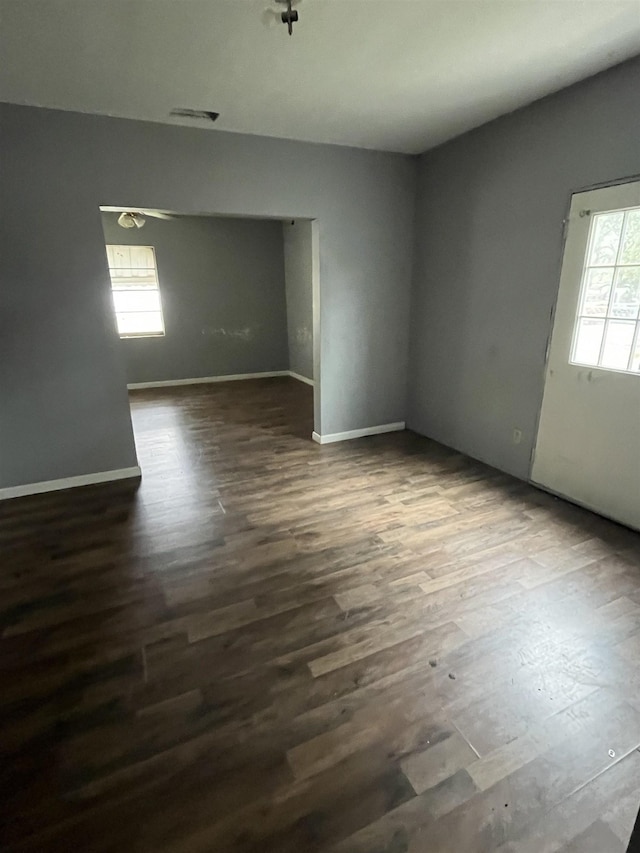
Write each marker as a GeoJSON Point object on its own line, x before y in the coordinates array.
{"type": "Point", "coordinates": [597, 290]}
{"type": "Point", "coordinates": [617, 344]}
{"type": "Point", "coordinates": [626, 297]}
{"type": "Point", "coordinates": [606, 239]}
{"type": "Point", "coordinates": [630, 252]}
{"type": "Point", "coordinates": [610, 291]}
{"type": "Point", "coordinates": [588, 341]}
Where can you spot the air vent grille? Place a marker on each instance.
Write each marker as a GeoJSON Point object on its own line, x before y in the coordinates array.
{"type": "Point", "coordinates": [184, 112]}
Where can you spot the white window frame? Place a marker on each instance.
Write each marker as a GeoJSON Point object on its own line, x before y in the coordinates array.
{"type": "Point", "coordinates": [608, 317]}
{"type": "Point", "coordinates": [127, 285]}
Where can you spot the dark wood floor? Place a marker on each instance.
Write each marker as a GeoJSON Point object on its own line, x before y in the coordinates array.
{"type": "Point", "coordinates": [373, 647]}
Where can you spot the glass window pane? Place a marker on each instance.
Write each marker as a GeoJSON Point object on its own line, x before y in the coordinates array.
{"type": "Point", "coordinates": [617, 344]}
{"type": "Point", "coordinates": [130, 257]}
{"type": "Point", "coordinates": [134, 281]}
{"type": "Point", "coordinates": [136, 300]}
{"type": "Point", "coordinates": [588, 340]}
{"type": "Point", "coordinates": [630, 252]}
{"type": "Point", "coordinates": [118, 257]}
{"type": "Point", "coordinates": [597, 288]}
{"type": "Point", "coordinates": [609, 310]}
{"type": "Point", "coordinates": [141, 323]}
{"type": "Point", "coordinates": [626, 297]}
{"type": "Point", "coordinates": [142, 258]}
{"type": "Point", "coordinates": [607, 228]}
{"type": "Point", "coordinates": [132, 265]}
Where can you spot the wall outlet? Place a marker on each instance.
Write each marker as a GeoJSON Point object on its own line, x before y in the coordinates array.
{"type": "Point", "coordinates": [517, 436]}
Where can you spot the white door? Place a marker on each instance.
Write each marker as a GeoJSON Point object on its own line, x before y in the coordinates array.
{"type": "Point", "coordinates": [588, 443]}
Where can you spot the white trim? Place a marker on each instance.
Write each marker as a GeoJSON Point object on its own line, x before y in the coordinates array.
{"type": "Point", "coordinates": [203, 380]}
{"type": "Point", "coordinates": [357, 433]}
{"type": "Point", "coordinates": [301, 378]}
{"type": "Point", "coordinates": [69, 483]}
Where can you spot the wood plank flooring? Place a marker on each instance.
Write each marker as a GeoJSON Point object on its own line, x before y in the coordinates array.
{"type": "Point", "coordinates": [379, 646]}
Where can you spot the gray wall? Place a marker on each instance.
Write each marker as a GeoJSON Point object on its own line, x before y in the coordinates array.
{"type": "Point", "coordinates": [64, 409]}
{"type": "Point", "coordinates": [488, 254]}
{"type": "Point", "coordinates": [63, 389]}
{"type": "Point", "coordinates": [223, 297]}
{"type": "Point", "coordinates": [298, 260]}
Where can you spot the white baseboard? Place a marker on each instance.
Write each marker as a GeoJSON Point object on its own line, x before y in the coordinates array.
{"type": "Point", "coordinates": [301, 378]}
{"type": "Point", "coordinates": [204, 380]}
{"type": "Point", "coordinates": [357, 433]}
{"type": "Point", "coordinates": [69, 483]}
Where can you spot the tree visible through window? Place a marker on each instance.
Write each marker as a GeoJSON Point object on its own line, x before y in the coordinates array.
{"type": "Point", "coordinates": [136, 294]}
{"type": "Point", "coordinates": [607, 331]}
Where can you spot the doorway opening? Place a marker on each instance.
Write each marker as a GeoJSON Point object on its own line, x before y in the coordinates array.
{"type": "Point", "coordinates": [206, 301]}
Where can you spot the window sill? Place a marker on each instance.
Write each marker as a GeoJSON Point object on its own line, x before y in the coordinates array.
{"type": "Point", "coordinates": [142, 335]}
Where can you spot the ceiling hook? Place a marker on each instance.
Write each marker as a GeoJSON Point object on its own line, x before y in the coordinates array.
{"type": "Point", "coordinates": [289, 17]}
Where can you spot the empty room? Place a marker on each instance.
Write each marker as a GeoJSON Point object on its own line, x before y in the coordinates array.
{"type": "Point", "coordinates": [201, 300]}
{"type": "Point", "coordinates": [320, 426]}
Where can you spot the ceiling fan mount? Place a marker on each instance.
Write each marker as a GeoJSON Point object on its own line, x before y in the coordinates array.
{"type": "Point", "coordinates": [130, 220]}
{"type": "Point", "coordinates": [289, 16]}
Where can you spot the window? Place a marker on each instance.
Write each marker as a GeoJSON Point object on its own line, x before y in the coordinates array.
{"type": "Point", "coordinates": [136, 294]}
{"type": "Point", "coordinates": [607, 330]}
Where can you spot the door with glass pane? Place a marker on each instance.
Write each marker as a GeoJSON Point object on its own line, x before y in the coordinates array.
{"type": "Point", "coordinates": [588, 443]}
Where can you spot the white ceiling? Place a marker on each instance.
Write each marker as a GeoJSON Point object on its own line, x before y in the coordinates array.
{"type": "Point", "coordinates": [398, 75]}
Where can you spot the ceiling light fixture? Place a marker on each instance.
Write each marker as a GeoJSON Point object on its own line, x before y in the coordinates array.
{"type": "Point", "coordinates": [130, 220]}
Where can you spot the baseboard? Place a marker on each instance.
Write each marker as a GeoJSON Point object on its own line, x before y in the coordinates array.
{"type": "Point", "coordinates": [357, 433]}
{"type": "Point", "coordinates": [301, 378]}
{"type": "Point", "coordinates": [69, 483]}
{"type": "Point", "coordinates": [230, 377]}
{"type": "Point", "coordinates": [204, 380]}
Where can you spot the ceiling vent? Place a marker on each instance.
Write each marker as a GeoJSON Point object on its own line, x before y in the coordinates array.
{"type": "Point", "coordinates": [184, 112]}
